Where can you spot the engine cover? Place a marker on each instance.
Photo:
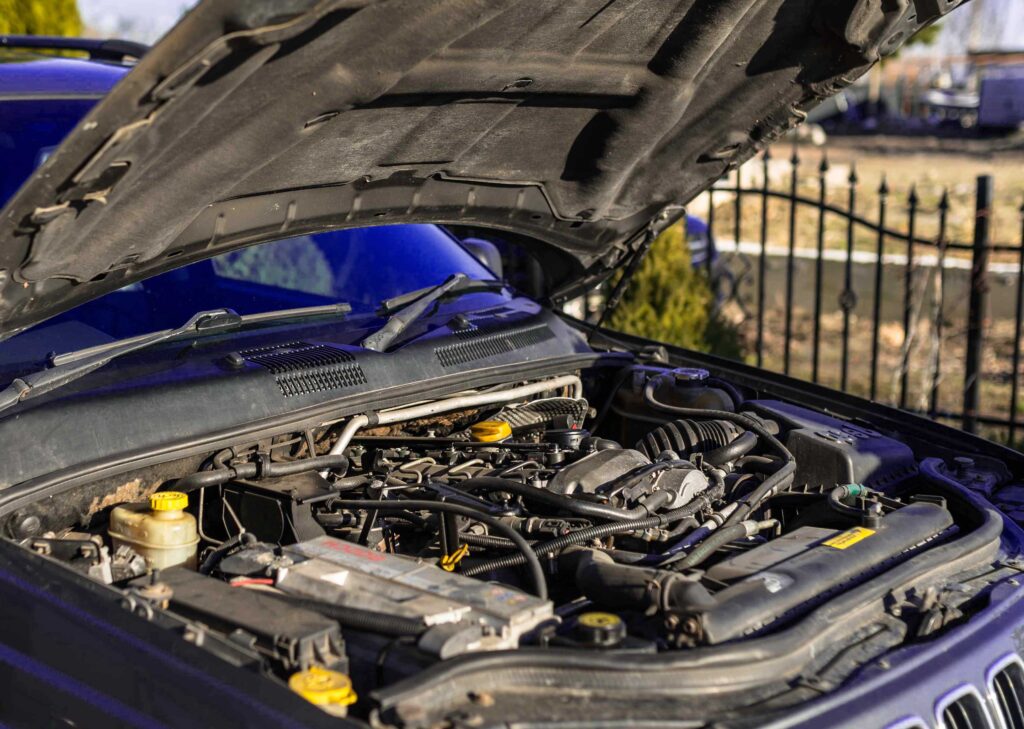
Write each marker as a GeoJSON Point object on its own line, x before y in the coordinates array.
{"type": "Point", "coordinates": [831, 452]}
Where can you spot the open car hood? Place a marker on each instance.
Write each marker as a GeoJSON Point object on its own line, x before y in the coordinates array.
{"type": "Point", "coordinates": [581, 125]}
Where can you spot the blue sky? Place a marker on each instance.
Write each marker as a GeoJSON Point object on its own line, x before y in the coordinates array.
{"type": "Point", "coordinates": [992, 23]}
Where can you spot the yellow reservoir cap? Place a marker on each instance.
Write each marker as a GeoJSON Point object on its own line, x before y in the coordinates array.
{"type": "Point", "coordinates": [168, 501]}
{"type": "Point", "coordinates": [489, 431]}
{"type": "Point", "coordinates": [599, 620]}
{"type": "Point", "coordinates": [323, 687]}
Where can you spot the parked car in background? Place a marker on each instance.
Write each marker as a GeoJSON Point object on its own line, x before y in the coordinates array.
{"type": "Point", "coordinates": [361, 480]}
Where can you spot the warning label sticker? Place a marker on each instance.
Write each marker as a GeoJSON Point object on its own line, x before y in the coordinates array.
{"type": "Point", "coordinates": [849, 537]}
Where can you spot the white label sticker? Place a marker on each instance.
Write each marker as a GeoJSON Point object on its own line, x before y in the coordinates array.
{"type": "Point", "coordinates": [338, 578]}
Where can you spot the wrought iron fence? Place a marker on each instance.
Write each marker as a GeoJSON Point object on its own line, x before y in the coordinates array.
{"type": "Point", "coordinates": [869, 280]}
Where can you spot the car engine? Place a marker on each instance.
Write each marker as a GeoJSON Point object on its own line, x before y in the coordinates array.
{"type": "Point", "coordinates": [654, 511]}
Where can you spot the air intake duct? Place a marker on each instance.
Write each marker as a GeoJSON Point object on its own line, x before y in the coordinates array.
{"type": "Point", "coordinates": [686, 437]}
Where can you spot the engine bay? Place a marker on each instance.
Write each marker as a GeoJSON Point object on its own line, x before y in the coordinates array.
{"type": "Point", "coordinates": [640, 511]}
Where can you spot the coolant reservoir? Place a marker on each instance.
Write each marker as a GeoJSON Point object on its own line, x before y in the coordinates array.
{"type": "Point", "coordinates": [160, 531]}
{"type": "Point", "coordinates": [685, 387]}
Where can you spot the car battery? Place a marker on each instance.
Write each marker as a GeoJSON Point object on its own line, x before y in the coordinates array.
{"type": "Point", "coordinates": [461, 614]}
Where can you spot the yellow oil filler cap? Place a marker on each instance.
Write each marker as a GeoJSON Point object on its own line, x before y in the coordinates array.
{"type": "Point", "coordinates": [330, 690]}
{"type": "Point", "coordinates": [490, 431]}
{"type": "Point", "coordinates": [168, 501]}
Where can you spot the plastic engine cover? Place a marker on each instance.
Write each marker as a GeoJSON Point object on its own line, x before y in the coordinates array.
{"type": "Point", "coordinates": [832, 452]}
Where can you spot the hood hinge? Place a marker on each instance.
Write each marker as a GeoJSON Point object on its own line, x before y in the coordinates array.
{"type": "Point", "coordinates": [669, 215]}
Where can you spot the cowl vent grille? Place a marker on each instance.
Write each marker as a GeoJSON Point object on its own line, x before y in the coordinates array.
{"type": "Point", "coordinates": [476, 345]}
{"type": "Point", "coordinates": [300, 368]}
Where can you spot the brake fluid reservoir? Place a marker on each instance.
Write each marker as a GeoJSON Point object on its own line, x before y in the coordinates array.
{"type": "Point", "coordinates": [161, 532]}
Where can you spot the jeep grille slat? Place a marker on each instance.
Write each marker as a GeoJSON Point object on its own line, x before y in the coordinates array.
{"type": "Point", "coordinates": [1008, 687]}
{"type": "Point", "coordinates": [966, 712]}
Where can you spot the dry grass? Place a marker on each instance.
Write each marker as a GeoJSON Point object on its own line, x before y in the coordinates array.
{"type": "Point", "coordinates": [932, 173]}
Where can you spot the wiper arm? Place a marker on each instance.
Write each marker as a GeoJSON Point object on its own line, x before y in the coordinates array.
{"type": "Point", "coordinates": [43, 381]}
{"type": "Point", "coordinates": [384, 337]}
{"type": "Point", "coordinates": [390, 306]}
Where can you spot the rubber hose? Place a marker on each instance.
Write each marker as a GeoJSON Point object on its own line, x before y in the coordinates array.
{"type": "Point", "coordinates": [718, 538]}
{"type": "Point", "coordinates": [730, 452]}
{"type": "Point", "coordinates": [221, 551]}
{"type": "Point", "coordinates": [529, 558]}
{"type": "Point", "coordinates": [688, 436]}
{"type": "Point", "coordinates": [582, 536]}
{"type": "Point", "coordinates": [487, 540]}
{"type": "Point", "coordinates": [606, 406]}
{"type": "Point", "coordinates": [268, 469]}
{"type": "Point", "coordinates": [578, 507]}
{"type": "Point", "coordinates": [735, 395]}
{"type": "Point", "coordinates": [772, 483]}
{"type": "Point", "coordinates": [835, 502]}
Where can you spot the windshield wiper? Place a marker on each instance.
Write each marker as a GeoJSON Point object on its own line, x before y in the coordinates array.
{"type": "Point", "coordinates": [305, 312]}
{"type": "Point", "coordinates": [412, 306]}
{"type": "Point", "coordinates": [43, 381]}
{"type": "Point", "coordinates": [66, 368]}
{"type": "Point", "coordinates": [381, 339]}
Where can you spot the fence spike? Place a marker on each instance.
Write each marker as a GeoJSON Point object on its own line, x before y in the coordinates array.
{"type": "Point", "coordinates": [823, 167]}
{"type": "Point", "coordinates": [944, 200]}
{"type": "Point", "coordinates": [767, 154]}
{"type": "Point", "coordinates": [883, 188]}
{"type": "Point", "coordinates": [912, 197]}
{"type": "Point", "coordinates": [795, 157]}
{"type": "Point", "coordinates": [853, 179]}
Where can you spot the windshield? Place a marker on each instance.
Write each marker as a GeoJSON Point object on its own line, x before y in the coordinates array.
{"type": "Point", "coordinates": [361, 266]}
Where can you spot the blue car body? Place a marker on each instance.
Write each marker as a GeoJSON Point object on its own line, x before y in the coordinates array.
{"type": "Point", "coordinates": [967, 675]}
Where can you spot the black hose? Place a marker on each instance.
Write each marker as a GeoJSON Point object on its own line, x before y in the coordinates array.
{"type": "Point", "coordinates": [735, 395]}
{"type": "Point", "coordinates": [582, 536]}
{"type": "Point", "coordinates": [835, 502]}
{"type": "Point", "coordinates": [731, 451]}
{"type": "Point", "coordinates": [222, 549]}
{"type": "Point", "coordinates": [717, 539]}
{"type": "Point", "coordinates": [359, 619]}
{"type": "Point", "coordinates": [262, 469]}
{"type": "Point", "coordinates": [588, 509]}
{"type": "Point", "coordinates": [771, 484]}
{"type": "Point", "coordinates": [488, 541]}
{"type": "Point", "coordinates": [606, 406]}
{"type": "Point", "coordinates": [528, 557]}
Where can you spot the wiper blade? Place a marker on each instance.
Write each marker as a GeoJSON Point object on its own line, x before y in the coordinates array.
{"type": "Point", "coordinates": [43, 381]}
{"type": "Point", "coordinates": [338, 309]}
{"type": "Point", "coordinates": [396, 324]}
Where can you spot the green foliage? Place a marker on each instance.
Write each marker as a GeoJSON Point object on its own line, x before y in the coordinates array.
{"type": "Point", "coordinates": [670, 302]}
{"type": "Point", "coordinates": [926, 36]}
{"type": "Point", "coordinates": [40, 17]}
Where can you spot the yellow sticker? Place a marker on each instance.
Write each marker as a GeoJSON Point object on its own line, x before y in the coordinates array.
{"type": "Point", "coordinates": [849, 537]}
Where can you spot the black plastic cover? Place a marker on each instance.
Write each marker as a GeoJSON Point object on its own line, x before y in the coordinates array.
{"type": "Point", "coordinates": [293, 636]}
{"type": "Point", "coordinates": [834, 452]}
{"type": "Point", "coordinates": [840, 562]}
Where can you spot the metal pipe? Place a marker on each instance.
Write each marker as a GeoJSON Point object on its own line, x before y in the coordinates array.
{"type": "Point", "coordinates": [459, 402]}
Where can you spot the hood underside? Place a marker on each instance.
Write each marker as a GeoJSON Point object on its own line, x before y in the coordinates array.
{"type": "Point", "coordinates": [579, 124]}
